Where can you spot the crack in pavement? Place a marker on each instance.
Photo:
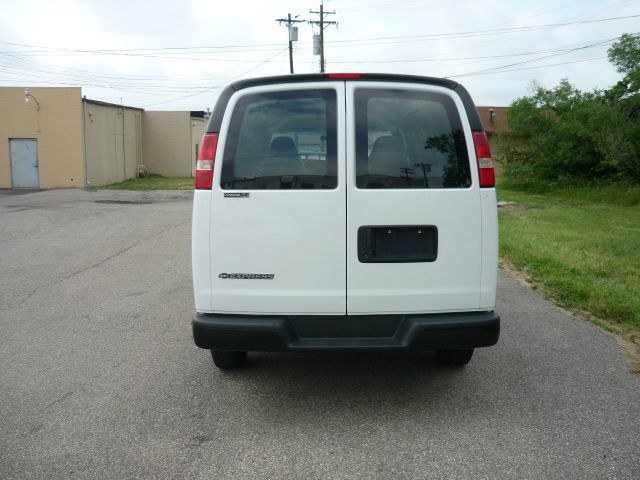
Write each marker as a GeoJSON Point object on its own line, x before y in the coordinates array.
{"type": "Point", "coordinates": [98, 264]}
{"type": "Point", "coordinates": [59, 400]}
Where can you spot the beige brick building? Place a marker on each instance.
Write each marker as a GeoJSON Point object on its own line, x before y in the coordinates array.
{"type": "Point", "coordinates": [55, 138]}
{"type": "Point", "coordinates": [112, 142]}
{"type": "Point", "coordinates": [51, 121]}
{"type": "Point", "coordinates": [172, 135]}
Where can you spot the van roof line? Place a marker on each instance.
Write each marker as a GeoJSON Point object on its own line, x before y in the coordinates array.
{"type": "Point", "coordinates": [319, 77]}
{"type": "Point", "coordinates": [215, 122]}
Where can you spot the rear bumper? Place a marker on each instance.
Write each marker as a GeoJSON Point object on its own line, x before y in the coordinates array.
{"type": "Point", "coordinates": [274, 333]}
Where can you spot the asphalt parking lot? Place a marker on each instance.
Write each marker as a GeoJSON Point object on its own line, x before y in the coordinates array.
{"type": "Point", "coordinates": [99, 376]}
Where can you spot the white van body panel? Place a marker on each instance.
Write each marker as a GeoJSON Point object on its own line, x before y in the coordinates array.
{"type": "Point", "coordinates": [489, 278]}
{"type": "Point", "coordinates": [201, 249]}
{"type": "Point", "coordinates": [296, 235]}
{"type": "Point", "coordinates": [308, 238]}
{"type": "Point", "coordinates": [451, 282]}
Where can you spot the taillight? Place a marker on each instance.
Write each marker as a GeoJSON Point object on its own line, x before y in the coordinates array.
{"type": "Point", "coordinates": [485, 164]}
{"type": "Point", "coordinates": [344, 76]}
{"type": "Point", "coordinates": [206, 159]}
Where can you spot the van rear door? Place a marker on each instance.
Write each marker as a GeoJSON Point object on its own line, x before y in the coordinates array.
{"type": "Point", "coordinates": [413, 201]}
{"type": "Point", "coordinates": [278, 239]}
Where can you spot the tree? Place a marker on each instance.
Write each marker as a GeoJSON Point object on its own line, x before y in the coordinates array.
{"type": "Point", "coordinates": [566, 133]}
{"type": "Point", "coordinates": [556, 126]}
{"type": "Point", "coordinates": [625, 55]}
{"type": "Point", "coordinates": [623, 141]}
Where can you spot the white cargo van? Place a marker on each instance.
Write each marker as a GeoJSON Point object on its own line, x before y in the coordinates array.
{"type": "Point", "coordinates": [344, 211]}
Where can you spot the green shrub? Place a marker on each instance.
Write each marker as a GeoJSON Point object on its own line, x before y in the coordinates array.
{"type": "Point", "coordinates": [563, 133]}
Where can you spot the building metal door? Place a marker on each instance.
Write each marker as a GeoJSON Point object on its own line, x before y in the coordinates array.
{"type": "Point", "coordinates": [24, 163]}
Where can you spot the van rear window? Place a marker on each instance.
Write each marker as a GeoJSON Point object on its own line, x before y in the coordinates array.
{"type": "Point", "coordinates": [409, 139]}
{"type": "Point", "coordinates": [282, 140]}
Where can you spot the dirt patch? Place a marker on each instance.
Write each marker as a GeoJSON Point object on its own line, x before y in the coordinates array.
{"type": "Point", "coordinates": [125, 202]}
{"type": "Point", "coordinates": [20, 208]}
{"type": "Point", "coordinates": [509, 206]}
{"type": "Point", "coordinates": [632, 352]}
{"type": "Point", "coordinates": [520, 274]}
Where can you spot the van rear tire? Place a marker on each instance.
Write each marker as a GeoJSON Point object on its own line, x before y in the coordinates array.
{"type": "Point", "coordinates": [454, 358]}
{"type": "Point", "coordinates": [228, 360]}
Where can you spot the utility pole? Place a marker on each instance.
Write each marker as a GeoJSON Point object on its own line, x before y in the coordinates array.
{"type": "Point", "coordinates": [407, 171]}
{"type": "Point", "coordinates": [426, 167]}
{"type": "Point", "coordinates": [293, 36]}
{"type": "Point", "coordinates": [321, 23]}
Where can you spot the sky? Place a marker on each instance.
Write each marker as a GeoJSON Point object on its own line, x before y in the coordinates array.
{"type": "Point", "coordinates": [178, 55]}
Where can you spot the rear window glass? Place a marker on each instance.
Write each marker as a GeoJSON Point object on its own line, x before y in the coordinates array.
{"type": "Point", "coordinates": [409, 139]}
{"type": "Point", "coordinates": [282, 140]}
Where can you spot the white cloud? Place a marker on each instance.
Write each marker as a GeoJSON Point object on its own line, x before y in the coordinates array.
{"type": "Point", "coordinates": [174, 83]}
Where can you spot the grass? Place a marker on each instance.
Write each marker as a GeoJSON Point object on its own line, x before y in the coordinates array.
{"type": "Point", "coordinates": [154, 182]}
{"type": "Point", "coordinates": [581, 246]}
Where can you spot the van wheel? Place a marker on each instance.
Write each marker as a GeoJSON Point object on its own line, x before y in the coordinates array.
{"type": "Point", "coordinates": [454, 357]}
{"type": "Point", "coordinates": [227, 360]}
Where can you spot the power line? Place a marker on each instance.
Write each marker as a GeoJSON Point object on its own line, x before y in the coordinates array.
{"type": "Point", "coordinates": [590, 14]}
{"type": "Point", "coordinates": [140, 49]}
{"type": "Point", "coordinates": [215, 87]}
{"type": "Point", "coordinates": [57, 77]}
{"type": "Point", "coordinates": [535, 59]}
{"type": "Point", "coordinates": [461, 34]}
{"type": "Point", "coordinates": [479, 57]}
{"type": "Point", "coordinates": [526, 68]}
{"type": "Point", "coordinates": [404, 5]}
{"type": "Point", "coordinates": [133, 83]}
{"type": "Point", "coordinates": [21, 66]}
{"type": "Point", "coordinates": [490, 31]}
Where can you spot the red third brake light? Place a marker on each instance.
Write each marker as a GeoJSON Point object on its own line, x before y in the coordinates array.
{"type": "Point", "coordinates": [206, 159]}
{"type": "Point", "coordinates": [344, 76]}
{"type": "Point", "coordinates": [485, 164]}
